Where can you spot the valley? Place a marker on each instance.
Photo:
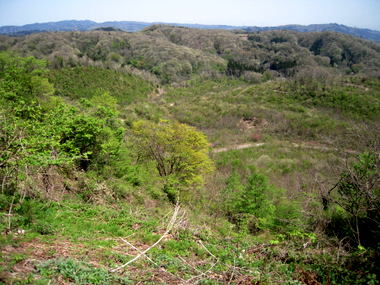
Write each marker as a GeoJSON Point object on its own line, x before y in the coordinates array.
{"type": "Point", "coordinates": [175, 155]}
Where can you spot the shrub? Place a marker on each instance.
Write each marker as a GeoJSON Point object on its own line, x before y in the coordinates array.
{"type": "Point", "coordinates": [248, 205]}
{"type": "Point", "coordinates": [358, 198]}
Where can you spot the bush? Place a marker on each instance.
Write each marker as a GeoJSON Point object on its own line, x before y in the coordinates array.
{"type": "Point", "coordinates": [358, 201]}
{"type": "Point", "coordinates": [38, 131]}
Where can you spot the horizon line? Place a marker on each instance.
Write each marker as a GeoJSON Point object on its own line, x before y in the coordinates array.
{"type": "Point", "coordinates": [168, 23]}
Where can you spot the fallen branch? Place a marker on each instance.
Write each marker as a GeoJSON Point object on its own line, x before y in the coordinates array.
{"type": "Point", "coordinates": [233, 272]}
{"type": "Point", "coordinates": [151, 260]}
{"type": "Point", "coordinates": [208, 270]}
{"type": "Point", "coordinates": [168, 229]}
{"type": "Point", "coordinates": [202, 274]}
{"type": "Point", "coordinates": [188, 264]}
{"type": "Point", "coordinates": [201, 243]}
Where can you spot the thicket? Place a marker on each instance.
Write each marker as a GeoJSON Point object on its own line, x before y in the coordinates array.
{"type": "Point", "coordinates": [41, 134]}
{"type": "Point", "coordinates": [322, 87]}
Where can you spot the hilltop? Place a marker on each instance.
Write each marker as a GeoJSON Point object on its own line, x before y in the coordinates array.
{"type": "Point", "coordinates": [133, 26]}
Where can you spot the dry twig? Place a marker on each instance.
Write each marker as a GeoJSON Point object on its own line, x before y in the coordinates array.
{"type": "Point", "coordinates": [151, 260]}
{"type": "Point", "coordinates": [168, 229]}
{"type": "Point", "coordinates": [208, 270]}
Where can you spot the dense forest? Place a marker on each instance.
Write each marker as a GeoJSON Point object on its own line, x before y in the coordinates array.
{"type": "Point", "coordinates": [187, 156]}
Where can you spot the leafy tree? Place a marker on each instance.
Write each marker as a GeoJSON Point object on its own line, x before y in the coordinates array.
{"type": "Point", "coordinates": [178, 150]}
{"type": "Point", "coordinates": [25, 141]}
{"type": "Point", "coordinates": [100, 135]}
{"type": "Point", "coordinates": [359, 198]}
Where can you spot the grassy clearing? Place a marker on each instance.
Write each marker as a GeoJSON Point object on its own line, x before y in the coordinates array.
{"type": "Point", "coordinates": [232, 112]}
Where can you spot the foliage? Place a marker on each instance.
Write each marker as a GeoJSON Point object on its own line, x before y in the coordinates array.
{"type": "Point", "coordinates": [26, 139]}
{"type": "Point", "coordinates": [252, 204]}
{"type": "Point", "coordinates": [86, 82]}
{"type": "Point", "coordinates": [23, 79]}
{"type": "Point", "coordinates": [178, 150]}
{"type": "Point", "coordinates": [39, 131]}
{"type": "Point", "coordinates": [345, 99]}
{"type": "Point", "coordinates": [79, 272]}
{"type": "Point", "coordinates": [359, 198]}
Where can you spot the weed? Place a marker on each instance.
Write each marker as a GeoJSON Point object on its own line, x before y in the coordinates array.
{"type": "Point", "coordinates": [79, 272]}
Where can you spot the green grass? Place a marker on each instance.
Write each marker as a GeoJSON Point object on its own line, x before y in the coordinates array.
{"type": "Point", "coordinates": [85, 82]}
{"type": "Point", "coordinates": [76, 221]}
{"type": "Point", "coordinates": [292, 170]}
{"type": "Point", "coordinates": [91, 233]}
{"type": "Point", "coordinates": [78, 272]}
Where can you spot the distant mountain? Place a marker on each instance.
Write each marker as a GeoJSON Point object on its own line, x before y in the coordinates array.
{"type": "Point", "coordinates": [361, 33]}
{"type": "Point", "coordinates": [70, 25]}
{"type": "Point", "coordinates": [131, 26]}
{"type": "Point", "coordinates": [108, 29]}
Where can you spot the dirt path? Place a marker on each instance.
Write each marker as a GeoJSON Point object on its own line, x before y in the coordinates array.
{"type": "Point", "coordinates": [295, 145]}
{"type": "Point", "coordinates": [236, 147]}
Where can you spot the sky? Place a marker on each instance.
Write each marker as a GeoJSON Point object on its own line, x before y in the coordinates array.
{"type": "Point", "coordinates": [356, 13]}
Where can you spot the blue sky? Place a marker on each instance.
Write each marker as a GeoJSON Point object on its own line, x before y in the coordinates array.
{"type": "Point", "coordinates": [358, 13]}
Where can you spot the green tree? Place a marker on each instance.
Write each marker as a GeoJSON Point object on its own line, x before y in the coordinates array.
{"type": "Point", "coordinates": [359, 197]}
{"type": "Point", "coordinates": [249, 203]}
{"type": "Point", "coordinates": [179, 151]}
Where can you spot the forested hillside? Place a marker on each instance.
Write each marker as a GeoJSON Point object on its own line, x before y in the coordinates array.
{"type": "Point", "coordinates": [132, 26]}
{"type": "Point", "coordinates": [173, 54]}
{"type": "Point", "coordinates": [186, 156]}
